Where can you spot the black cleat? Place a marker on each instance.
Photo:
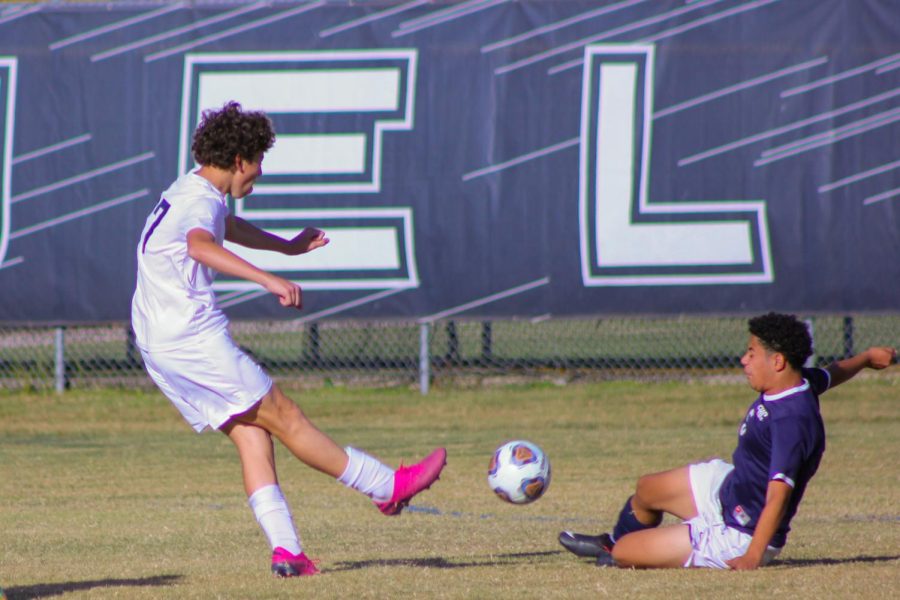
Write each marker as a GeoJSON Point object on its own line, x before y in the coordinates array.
{"type": "Point", "coordinates": [605, 559]}
{"type": "Point", "coordinates": [593, 546]}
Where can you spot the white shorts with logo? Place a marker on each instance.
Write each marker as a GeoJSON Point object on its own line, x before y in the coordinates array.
{"type": "Point", "coordinates": [209, 381]}
{"type": "Point", "coordinates": [712, 541]}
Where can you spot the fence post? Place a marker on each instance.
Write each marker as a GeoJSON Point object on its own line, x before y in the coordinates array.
{"type": "Point", "coordinates": [59, 360]}
{"type": "Point", "coordinates": [424, 359]}
{"type": "Point", "coordinates": [315, 344]}
{"type": "Point", "coordinates": [487, 344]}
{"type": "Point", "coordinates": [848, 337]}
{"type": "Point", "coordinates": [453, 356]}
{"type": "Point", "coordinates": [131, 351]}
{"type": "Point", "coordinates": [811, 361]}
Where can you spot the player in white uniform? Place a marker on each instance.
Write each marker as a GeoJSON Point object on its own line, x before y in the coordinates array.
{"type": "Point", "coordinates": [737, 516]}
{"type": "Point", "coordinates": [187, 349]}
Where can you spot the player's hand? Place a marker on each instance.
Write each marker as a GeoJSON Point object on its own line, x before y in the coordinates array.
{"type": "Point", "coordinates": [743, 563]}
{"type": "Point", "coordinates": [288, 292]}
{"type": "Point", "coordinates": [307, 240]}
{"type": "Point", "coordinates": [881, 357]}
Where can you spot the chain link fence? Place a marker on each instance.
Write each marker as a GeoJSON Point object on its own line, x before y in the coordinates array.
{"type": "Point", "coordinates": [445, 353]}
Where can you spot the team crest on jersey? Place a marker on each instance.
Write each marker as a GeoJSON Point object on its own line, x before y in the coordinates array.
{"type": "Point", "coordinates": [740, 515]}
{"type": "Point", "coordinates": [761, 412]}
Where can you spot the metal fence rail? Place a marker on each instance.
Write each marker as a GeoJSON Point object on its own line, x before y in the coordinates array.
{"type": "Point", "coordinates": [446, 352]}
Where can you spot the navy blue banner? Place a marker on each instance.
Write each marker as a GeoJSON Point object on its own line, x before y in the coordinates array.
{"type": "Point", "coordinates": [483, 158]}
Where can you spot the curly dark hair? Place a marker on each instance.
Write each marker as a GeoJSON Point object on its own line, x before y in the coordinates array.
{"type": "Point", "coordinates": [229, 132]}
{"type": "Point", "coordinates": [785, 334]}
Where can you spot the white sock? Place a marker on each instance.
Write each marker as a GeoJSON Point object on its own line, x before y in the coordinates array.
{"type": "Point", "coordinates": [274, 516]}
{"type": "Point", "coordinates": [368, 475]}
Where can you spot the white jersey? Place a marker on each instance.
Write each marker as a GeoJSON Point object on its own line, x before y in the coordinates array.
{"type": "Point", "coordinates": [174, 301]}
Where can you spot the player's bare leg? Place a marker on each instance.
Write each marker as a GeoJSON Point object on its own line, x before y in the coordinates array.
{"type": "Point", "coordinates": [663, 547]}
{"type": "Point", "coordinates": [667, 491]}
{"type": "Point", "coordinates": [257, 454]}
{"type": "Point", "coordinates": [279, 415]}
{"type": "Point", "coordinates": [390, 490]}
{"type": "Point", "coordinates": [655, 494]}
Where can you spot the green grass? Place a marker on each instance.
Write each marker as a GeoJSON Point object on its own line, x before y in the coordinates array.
{"type": "Point", "coordinates": [109, 494]}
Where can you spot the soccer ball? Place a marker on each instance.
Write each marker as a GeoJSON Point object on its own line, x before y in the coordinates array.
{"type": "Point", "coordinates": [519, 472]}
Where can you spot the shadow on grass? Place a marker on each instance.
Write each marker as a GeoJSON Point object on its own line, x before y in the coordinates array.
{"type": "Point", "coordinates": [437, 562]}
{"type": "Point", "coordinates": [817, 562]}
{"type": "Point", "coordinates": [46, 590]}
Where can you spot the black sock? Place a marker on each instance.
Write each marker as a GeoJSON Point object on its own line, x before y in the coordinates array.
{"type": "Point", "coordinates": [629, 523]}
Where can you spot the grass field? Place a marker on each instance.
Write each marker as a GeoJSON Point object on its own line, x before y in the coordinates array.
{"type": "Point", "coordinates": [108, 494]}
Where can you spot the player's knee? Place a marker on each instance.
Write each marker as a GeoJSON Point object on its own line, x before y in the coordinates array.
{"type": "Point", "coordinates": [649, 500]}
{"type": "Point", "coordinates": [289, 415]}
{"type": "Point", "coordinates": [643, 491]}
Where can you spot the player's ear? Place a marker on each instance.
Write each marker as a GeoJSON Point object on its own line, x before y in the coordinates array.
{"type": "Point", "coordinates": [238, 165]}
{"type": "Point", "coordinates": [779, 361]}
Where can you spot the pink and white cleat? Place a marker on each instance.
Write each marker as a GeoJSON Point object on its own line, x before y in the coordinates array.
{"type": "Point", "coordinates": [409, 481]}
{"type": "Point", "coordinates": [285, 564]}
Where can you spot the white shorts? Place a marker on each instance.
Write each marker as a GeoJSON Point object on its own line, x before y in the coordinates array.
{"type": "Point", "coordinates": [712, 541]}
{"type": "Point", "coordinates": [209, 381]}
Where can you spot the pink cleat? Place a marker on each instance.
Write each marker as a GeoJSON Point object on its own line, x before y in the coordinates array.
{"type": "Point", "coordinates": [409, 481]}
{"type": "Point", "coordinates": [285, 564]}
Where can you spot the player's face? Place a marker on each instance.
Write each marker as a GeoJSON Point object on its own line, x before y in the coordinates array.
{"type": "Point", "coordinates": [758, 365]}
{"type": "Point", "coordinates": [244, 176]}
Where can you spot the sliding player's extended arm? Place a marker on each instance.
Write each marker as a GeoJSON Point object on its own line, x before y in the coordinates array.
{"type": "Point", "coordinates": [877, 357]}
{"type": "Point", "coordinates": [777, 495]}
{"type": "Point", "coordinates": [203, 248]}
{"type": "Point", "coordinates": [243, 233]}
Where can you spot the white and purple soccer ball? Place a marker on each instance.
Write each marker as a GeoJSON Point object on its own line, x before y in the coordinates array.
{"type": "Point", "coordinates": [519, 472]}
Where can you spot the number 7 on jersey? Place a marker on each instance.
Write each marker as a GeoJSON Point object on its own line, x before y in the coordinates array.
{"type": "Point", "coordinates": [162, 208]}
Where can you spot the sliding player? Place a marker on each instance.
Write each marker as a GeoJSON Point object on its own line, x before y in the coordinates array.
{"type": "Point", "coordinates": [737, 515]}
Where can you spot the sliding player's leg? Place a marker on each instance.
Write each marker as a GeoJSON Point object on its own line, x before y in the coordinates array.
{"type": "Point", "coordinates": [661, 547]}
{"type": "Point", "coordinates": [665, 492]}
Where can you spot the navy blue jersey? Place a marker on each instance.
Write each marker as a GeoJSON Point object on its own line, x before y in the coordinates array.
{"type": "Point", "coordinates": [782, 438]}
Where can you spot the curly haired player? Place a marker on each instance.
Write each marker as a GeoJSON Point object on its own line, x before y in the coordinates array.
{"type": "Point", "coordinates": [737, 515]}
{"type": "Point", "coordinates": [188, 352]}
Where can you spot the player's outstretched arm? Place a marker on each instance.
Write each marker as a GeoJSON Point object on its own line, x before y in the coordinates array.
{"type": "Point", "coordinates": [243, 233]}
{"type": "Point", "coordinates": [876, 357]}
{"type": "Point", "coordinates": [203, 248]}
